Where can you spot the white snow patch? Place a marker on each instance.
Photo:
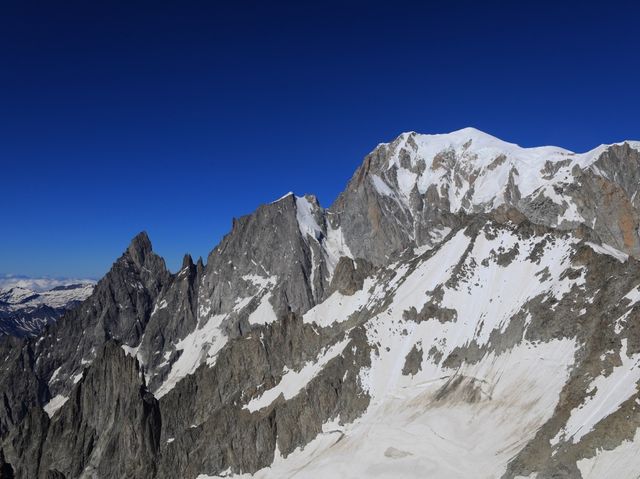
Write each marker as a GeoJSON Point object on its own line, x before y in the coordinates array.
{"type": "Point", "coordinates": [54, 404]}
{"type": "Point", "coordinates": [406, 181]}
{"type": "Point", "coordinates": [201, 345]}
{"type": "Point", "coordinates": [618, 326]}
{"type": "Point", "coordinates": [54, 376]}
{"type": "Point", "coordinates": [240, 303]}
{"type": "Point", "coordinates": [335, 247]}
{"type": "Point", "coordinates": [381, 187]}
{"type": "Point", "coordinates": [338, 307]}
{"type": "Point", "coordinates": [633, 296]}
{"type": "Point", "coordinates": [422, 249]}
{"type": "Point", "coordinates": [160, 305]}
{"type": "Point", "coordinates": [293, 382]}
{"type": "Point", "coordinates": [264, 313]}
{"type": "Point", "coordinates": [306, 221]}
{"type": "Point", "coordinates": [525, 382]}
{"type": "Point", "coordinates": [129, 351]}
{"type": "Point", "coordinates": [608, 250]}
{"type": "Point", "coordinates": [283, 197]}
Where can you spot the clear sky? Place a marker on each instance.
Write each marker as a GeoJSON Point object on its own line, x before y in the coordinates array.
{"type": "Point", "coordinates": [117, 117]}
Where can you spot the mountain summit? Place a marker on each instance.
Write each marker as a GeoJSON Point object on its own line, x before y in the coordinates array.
{"type": "Point", "coordinates": [465, 308]}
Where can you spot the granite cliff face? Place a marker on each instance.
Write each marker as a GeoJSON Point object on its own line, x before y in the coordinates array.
{"type": "Point", "coordinates": [466, 308]}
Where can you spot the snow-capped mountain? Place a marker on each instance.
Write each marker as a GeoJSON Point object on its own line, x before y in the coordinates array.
{"type": "Point", "coordinates": [39, 284]}
{"type": "Point", "coordinates": [466, 308]}
{"type": "Point", "coordinates": [25, 312]}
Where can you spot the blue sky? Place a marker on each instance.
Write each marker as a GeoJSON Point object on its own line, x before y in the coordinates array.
{"type": "Point", "coordinates": [117, 117]}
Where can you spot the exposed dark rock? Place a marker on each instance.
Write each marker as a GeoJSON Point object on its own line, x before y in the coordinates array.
{"type": "Point", "coordinates": [413, 361]}
{"type": "Point", "coordinates": [109, 427]}
{"type": "Point", "coordinates": [6, 471]}
{"type": "Point", "coordinates": [349, 275]}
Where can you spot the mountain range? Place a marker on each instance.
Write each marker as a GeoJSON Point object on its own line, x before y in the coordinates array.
{"type": "Point", "coordinates": [28, 305]}
{"type": "Point", "coordinates": [465, 308]}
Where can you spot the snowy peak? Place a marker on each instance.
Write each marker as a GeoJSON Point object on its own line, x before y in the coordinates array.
{"type": "Point", "coordinates": [484, 147]}
{"type": "Point", "coordinates": [422, 180]}
{"type": "Point", "coordinates": [471, 168]}
{"type": "Point", "coordinates": [480, 147]}
{"type": "Point", "coordinates": [473, 150]}
{"type": "Point", "coordinates": [16, 295]}
{"type": "Point", "coordinates": [58, 296]}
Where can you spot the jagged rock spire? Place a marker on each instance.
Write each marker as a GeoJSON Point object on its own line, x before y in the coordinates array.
{"type": "Point", "coordinates": [139, 248]}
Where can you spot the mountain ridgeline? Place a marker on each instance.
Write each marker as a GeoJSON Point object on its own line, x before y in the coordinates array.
{"type": "Point", "coordinates": [465, 308]}
{"type": "Point", "coordinates": [26, 312]}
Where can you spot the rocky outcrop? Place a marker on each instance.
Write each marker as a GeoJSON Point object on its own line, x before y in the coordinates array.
{"type": "Point", "coordinates": [413, 361]}
{"type": "Point", "coordinates": [267, 243]}
{"type": "Point", "coordinates": [6, 471]}
{"type": "Point", "coordinates": [119, 309]}
{"type": "Point", "coordinates": [174, 316]}
{"type": "Point", "coordinates": [22, 388]}
{"type": "Point", "coordinates": [349, 275]}
{"type": "Point", "coordinates": [109, 426]}
{"type": "Point", "coordinates": [209, 426]}
{"type": "Point", "coordinates": [36, 370]}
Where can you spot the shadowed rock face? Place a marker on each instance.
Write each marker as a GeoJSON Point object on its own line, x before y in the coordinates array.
{"type": "Point", "coordinates": [6, 471]}
{"type": "Point", "coordinates": [109, 426]}
{"type": "Point", "coordinates": [459, 288]}
{"type": "Point", "coordinates": [118, 308]}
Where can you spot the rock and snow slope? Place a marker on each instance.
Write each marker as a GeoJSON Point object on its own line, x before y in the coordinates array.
{"type": "Point", "coordinates": [25, 312]}
{"type": "Point", "coordinates": [466, 308]}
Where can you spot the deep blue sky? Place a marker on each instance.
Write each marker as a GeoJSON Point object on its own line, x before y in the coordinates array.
{"type": "Point", "coordinates": [117, 117]}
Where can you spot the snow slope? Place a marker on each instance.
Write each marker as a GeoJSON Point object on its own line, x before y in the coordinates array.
{"type": "Point", "coordinates": [435, 421]}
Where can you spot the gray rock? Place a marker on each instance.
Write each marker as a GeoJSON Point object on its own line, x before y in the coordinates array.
{"type": "Point", "coordinates": [109, 427]}
{"type": "Point", "coordinates": [6, 471]}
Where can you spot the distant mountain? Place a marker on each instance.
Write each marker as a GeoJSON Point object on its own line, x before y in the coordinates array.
{"type": "Point", "coordinates": [39, 284]}
{"type": "Point", "coordinates": [25, 312]}
{"type": "Point", "coordinates": [465, 308]}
